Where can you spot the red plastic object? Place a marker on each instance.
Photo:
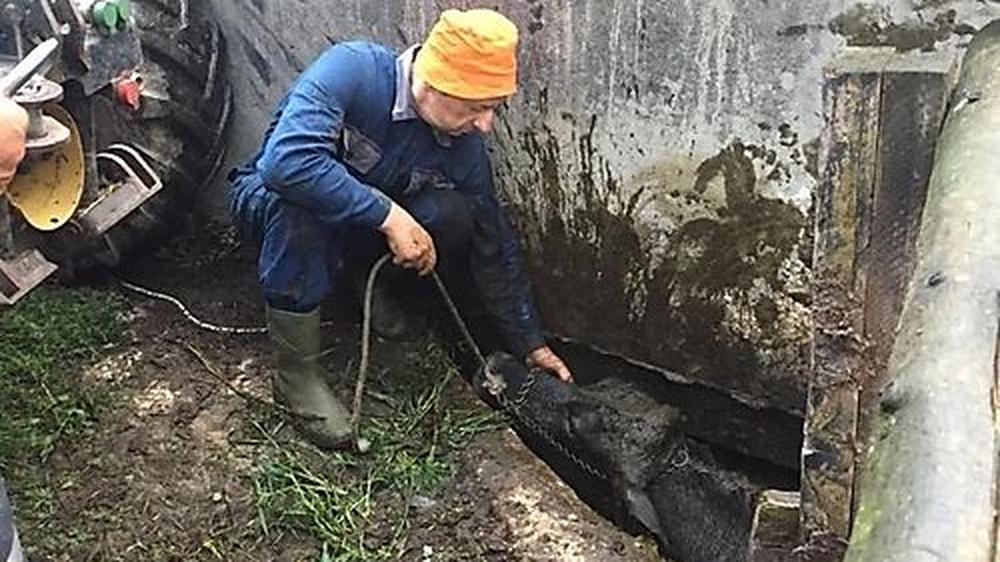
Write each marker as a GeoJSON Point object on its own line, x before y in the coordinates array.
{"type": "Point", "coordinates": [129, 92]}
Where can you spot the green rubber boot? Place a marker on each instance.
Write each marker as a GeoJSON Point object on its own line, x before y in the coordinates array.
{"type": "Point", "coordinates": [300, 384]}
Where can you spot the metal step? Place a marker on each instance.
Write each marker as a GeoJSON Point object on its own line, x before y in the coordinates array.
{"type": "Point", "coordinates": [22, 273]}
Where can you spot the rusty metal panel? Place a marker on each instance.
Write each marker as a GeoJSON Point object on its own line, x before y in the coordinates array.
{"type": "Point", "coordinates": [849, 155]}
{"type": "Point", "coordinates": [913, 105]}
{"type": "Point", "coordinates": [884, 110]}
{"type": "Point", "coordinates": [915, 89]}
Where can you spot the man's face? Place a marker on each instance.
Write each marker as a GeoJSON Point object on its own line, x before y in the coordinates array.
{"type": "Point", "coordinates": [457, 116]}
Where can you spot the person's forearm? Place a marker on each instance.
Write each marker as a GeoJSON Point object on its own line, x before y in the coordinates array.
{"type": "Point", "coordinates": [323, 185]}
{"type": "Point", "coordinates": [499, 276]}
{"type": "Point", "coordinates": [301, 159]}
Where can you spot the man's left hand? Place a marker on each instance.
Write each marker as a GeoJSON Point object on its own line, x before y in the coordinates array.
{"type": "Point", "coordinates": [547, 359]}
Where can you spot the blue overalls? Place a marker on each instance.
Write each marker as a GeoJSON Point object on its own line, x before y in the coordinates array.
{"type": "Point", "coordinates": [344, 143]}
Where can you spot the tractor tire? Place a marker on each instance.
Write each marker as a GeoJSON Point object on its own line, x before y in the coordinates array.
{"type": "Point", "coordinates": [180, 127]}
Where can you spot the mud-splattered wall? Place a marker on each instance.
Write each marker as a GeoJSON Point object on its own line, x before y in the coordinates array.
{"type": "Point", "coordinates": [659, 159]}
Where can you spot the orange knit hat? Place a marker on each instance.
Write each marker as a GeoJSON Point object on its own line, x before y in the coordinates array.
{"type": "Point", "coordinates": [471, 55]}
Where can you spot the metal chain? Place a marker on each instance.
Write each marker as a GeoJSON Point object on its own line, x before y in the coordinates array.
{"type": "Point", "coordinates": [513, 408]}
{"type": "Point", "coordinates": [235, 330]}
{"type": "Point", "coordinates": [450, 303]}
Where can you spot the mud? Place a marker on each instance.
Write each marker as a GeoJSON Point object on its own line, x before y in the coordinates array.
{"type": "Point", "coordinates": [865, 25]}
{"type": "Point", "coordinates": [506, 505]}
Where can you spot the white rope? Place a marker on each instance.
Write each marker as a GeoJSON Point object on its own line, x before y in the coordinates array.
{"type": "Point", "coordinates": [187, 313]}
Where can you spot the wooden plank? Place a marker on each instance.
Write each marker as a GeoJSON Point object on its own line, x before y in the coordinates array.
{"type": "Point", "coordinates": [914, 97]}
{"type": "Point", "coordinates": [915, 88]}
{"type": "Point", "coordinates": [848, 162]}
{"type": "Point", "coordinates": [884, 110]}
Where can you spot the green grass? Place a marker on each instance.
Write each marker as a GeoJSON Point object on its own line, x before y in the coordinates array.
{"type": "Point", "coordinates": [44, 340]}
{"type": "Point", "coordinates": [356, 505]}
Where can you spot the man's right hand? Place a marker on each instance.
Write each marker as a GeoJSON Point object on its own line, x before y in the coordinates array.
{"type": "Point", "coordinates": [13, 128]}
{"type": "Point", "coordinates": [411, 245]}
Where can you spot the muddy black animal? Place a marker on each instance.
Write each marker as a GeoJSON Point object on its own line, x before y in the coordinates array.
{"type": "Point", "coordinates": [672, 485]}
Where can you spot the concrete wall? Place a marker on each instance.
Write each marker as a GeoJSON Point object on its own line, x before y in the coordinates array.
{"type": "Point", "coordinates": [659, 159]}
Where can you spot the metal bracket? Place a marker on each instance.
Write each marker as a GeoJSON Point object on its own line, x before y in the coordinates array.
{"type": "Point", "coordinates": [140, 184]}
{"type": "Point", "coordinates": [22, 271]}
{"type": "Point", "coordinates": [21, 274]}
{"type": "Point", "coordinates": [494, 383]}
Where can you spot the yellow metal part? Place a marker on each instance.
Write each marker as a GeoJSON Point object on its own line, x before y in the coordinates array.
{"type": "Point", "coordinates": [48, 186]}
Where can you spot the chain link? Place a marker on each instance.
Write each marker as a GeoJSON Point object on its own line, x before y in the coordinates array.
{"type": "Point", "coordinates": [513, 409]}
{"type": "Point", "coordinates": [683, 457]}
{"type": "Point", "coordinates": [495, 386]}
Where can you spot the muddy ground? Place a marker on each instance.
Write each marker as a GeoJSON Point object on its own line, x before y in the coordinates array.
{"type": "Point", "coordinates": [173, 470]}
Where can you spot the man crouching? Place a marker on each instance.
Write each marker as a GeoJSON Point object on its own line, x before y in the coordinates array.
{"type": "Point", "coordinates": [368, 142]}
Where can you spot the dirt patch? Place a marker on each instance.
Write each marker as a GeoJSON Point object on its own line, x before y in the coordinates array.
{"type": "Point", "coordinates": [506, 505]}
{"type": "Point", "coordinates": [170, 472]}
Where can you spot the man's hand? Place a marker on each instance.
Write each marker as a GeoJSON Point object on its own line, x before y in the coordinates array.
{"type": "Point", "coordinates": [411, 245]}
{"type": "Point", "coordinates": [13, 128]}
{"type": "Point", "coordinates": [547, 359]}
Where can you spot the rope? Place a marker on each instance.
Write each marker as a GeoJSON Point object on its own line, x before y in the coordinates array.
{"type": "Point", "coordinates": [460, 321]}
{"type": "Point", "coordinates": [359, 385]}
{"type": "Point", "coordinates": [366, 330]}
{"type": "Point", "coordinates": [187, 313]}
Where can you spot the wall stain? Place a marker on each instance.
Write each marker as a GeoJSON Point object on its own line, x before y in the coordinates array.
{"type": "Point", "coordinates": [752, 230]}
{"type": "Point", "coordinates": [709, 263]}
{"type": "Point", "coordinates": [592, 267]}
{"type": "Point", "coordinates": [537, 22]}
{"type": "Point", "coordinates": [799, 29]}
{"type": "Point", "coordinates": [864, 25]}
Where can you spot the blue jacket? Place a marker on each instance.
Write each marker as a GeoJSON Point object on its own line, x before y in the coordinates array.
{"type": "Point", "coordinates": [346, 139]}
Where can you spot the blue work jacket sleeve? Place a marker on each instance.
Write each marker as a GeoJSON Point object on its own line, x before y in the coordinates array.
{"type": "Point", "coordinates": [299, 160]}
{"type": "Point", "coordinates": [496, 266]}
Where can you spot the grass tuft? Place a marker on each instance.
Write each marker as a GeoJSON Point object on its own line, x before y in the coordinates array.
{"type": "Point", "coordinates": [42, 340]}
{"type": "Point", "coordinates": [332, 497]}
